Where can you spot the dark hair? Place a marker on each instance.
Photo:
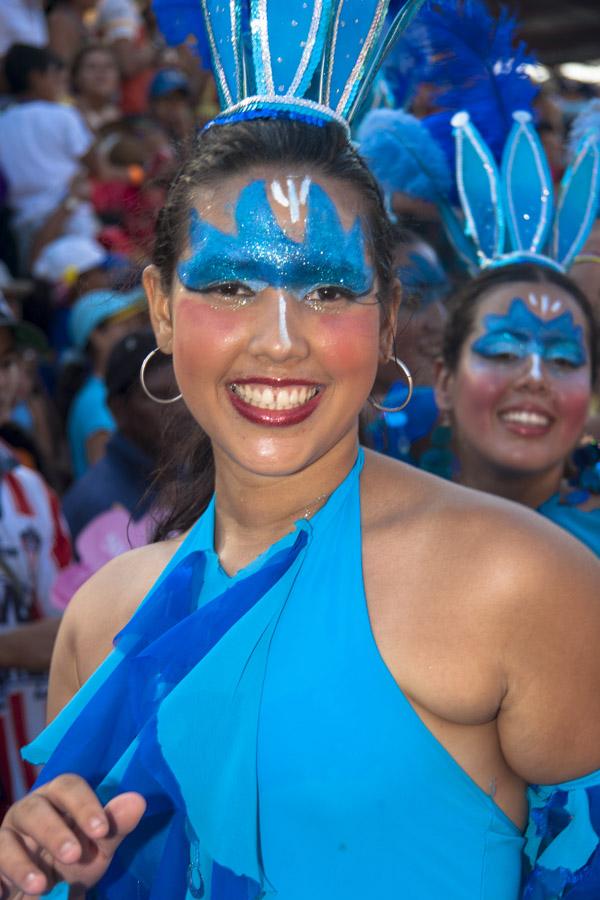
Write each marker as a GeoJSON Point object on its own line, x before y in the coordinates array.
{"type": "Point", "coordinates": [463, 305]}
{"type": "Point", "coordinates": [23, 59]}
{"type": "Point", "coordinates": [187, 475]}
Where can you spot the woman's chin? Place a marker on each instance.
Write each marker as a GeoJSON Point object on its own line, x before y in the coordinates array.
{"type": "Point", "coordinates": [276, 454]}
{"type": "Point", "coordinates": [532, 462]}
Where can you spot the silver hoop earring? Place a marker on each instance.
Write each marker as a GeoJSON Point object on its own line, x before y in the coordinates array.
{"type": "Point", "coordinates": [143, 383]}
{"type": "Point", "coordinates": [409, 378]}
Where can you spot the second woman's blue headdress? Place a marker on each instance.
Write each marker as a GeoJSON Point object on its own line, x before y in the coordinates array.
{"type": "Point", "coordinates": [510, 212]}
{"type": "Point", "coordinates": [502, 208]}
{"type": "Point", "coordinates": [308, 59]}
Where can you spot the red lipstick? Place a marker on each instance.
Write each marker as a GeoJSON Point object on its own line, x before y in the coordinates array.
{"type": "Point", "coordinates": [278, 418]}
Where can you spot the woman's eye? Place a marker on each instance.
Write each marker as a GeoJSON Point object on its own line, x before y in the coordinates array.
{"type": "Point", "coordinates": [504, 356]}
{"type": "Point", "coordinates": [228, 294]}
{"type": "Point", "coordinates": [329, 294]}
{"type": "Point", "coordinates": [561, 362]}
{"type": "Point", "coordinates": [233, 289]}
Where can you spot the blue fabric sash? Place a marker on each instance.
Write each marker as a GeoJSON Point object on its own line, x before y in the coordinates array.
{"type": "Point", "coordinates": [150, 703]}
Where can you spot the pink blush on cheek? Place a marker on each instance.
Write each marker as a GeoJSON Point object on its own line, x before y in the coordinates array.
{"type": "Point", "coordinates": [349, 337]}
{"type": "Point", "coordinates": [573, 401]}
{"type": "Point", "coordinates": [204, 340]}
{"type": "Point", "coordinates": [192, 315]}
{"type": "Point", "coordinates": [482, 386]}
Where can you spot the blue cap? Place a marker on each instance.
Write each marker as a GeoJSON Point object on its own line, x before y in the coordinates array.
{"type": "Point", "coordinates": [166, 81]}
{"type": "Point", "coordinates": [96, 307]}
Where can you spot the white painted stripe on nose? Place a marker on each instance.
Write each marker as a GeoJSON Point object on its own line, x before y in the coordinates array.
{"type": "Point", "coordinates": [536, 366]}
{"type": "Point", "coordinates": [284, 336]}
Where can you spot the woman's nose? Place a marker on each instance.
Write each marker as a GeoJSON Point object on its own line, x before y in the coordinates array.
{"type": "Point", "coordinates": [533, 373]}
{"type": "Point", "coordinates": [278, 330]}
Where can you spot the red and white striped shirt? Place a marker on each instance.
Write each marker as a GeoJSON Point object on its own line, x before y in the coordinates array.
{"type": "Point", "coordinates": [34, 547]}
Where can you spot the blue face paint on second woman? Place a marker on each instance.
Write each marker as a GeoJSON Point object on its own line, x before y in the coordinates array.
{"type": "Point", "coordinates": [260, 255]}
{"type": "Point", "coordinates": [521, 334]}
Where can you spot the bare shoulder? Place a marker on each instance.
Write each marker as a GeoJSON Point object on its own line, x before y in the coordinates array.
{"type": "Point", "coordinates": [466, 532]}
{"type": "Point", "coordinates": [498, 585]}
{"type": "Point", "coordinates": [98, 611]}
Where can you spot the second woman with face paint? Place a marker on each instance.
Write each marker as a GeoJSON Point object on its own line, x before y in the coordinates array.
{"type": "Point", "coordinates": [519, 359]}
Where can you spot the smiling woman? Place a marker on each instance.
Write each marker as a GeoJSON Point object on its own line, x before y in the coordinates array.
{"type": "Point", "coordinates": [287, 246]}
{"type": "Point", "coordinates": [519, 356]}
{"type": "Point", "coordinates": [315, 689]}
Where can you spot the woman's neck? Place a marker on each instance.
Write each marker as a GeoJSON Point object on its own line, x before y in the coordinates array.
{"type": "Point", "coordinates": [528, 488]}
{"type": "Point", "coordinates": [254, 511]}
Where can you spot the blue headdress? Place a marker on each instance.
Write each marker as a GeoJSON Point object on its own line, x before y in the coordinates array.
{"type": "Point", "coordinates": [510, 213]}
{"type": "Point", "coordinates": [404, 156]}
{"type": "Point", "coordinates": [502, 207]}
{"type": "Point", "coordinates": [313, 60]}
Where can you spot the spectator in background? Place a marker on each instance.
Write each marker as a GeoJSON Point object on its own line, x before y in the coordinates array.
{"type": "Point", "coordinates": [35, 412]}
{"type": "Point", "coordinates": [28, 420]}
{"type": "Point", "coordinates": [95, 83]}
{"type": "Point", "coordinates": [68, 31]}
{"type": "Point", "coordinates": [33, 547]}
{"type": "Point", "coordinates": [16, 432]}
{"type": "Point", "coordinates": [129, 209]}
{"type": "Point", "coordinates": [67, 268]}
{"type": "Point", "coordinates": [122, 28]}
{"type": "Point", "coordinates": [77, 263]}
{"type": "Point", "coordinates": [99, 319]}
{"type": "Point", "coordinates": [123, 475]}
{"type": "Point", "coordinates": [43, 146]}
{"type": "Point", "coordinates": [172, 106]}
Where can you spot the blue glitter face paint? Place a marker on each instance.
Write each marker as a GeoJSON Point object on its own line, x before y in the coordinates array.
{"type": "Point", "coordinates": [326, 270]}
{"type": "Point", "coordinates": [520, 334]}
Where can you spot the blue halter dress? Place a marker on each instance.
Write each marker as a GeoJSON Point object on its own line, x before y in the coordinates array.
{"type": "Point", "coordinates": [278, 756]}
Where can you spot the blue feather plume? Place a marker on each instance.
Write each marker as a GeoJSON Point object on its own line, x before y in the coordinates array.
{"type": "Point", "coordinates": [478, 68]}
{"type": "Point", "coordinates": [403, 156]}
{"type": "Point", "coordinates": [407, 65]}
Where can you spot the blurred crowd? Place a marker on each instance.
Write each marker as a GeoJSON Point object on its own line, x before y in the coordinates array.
{"type": "Point", "coordinates": [96, 114]}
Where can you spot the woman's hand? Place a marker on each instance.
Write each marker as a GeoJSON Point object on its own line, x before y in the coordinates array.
{"type": "Point", "coordinates": [61, 832]}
